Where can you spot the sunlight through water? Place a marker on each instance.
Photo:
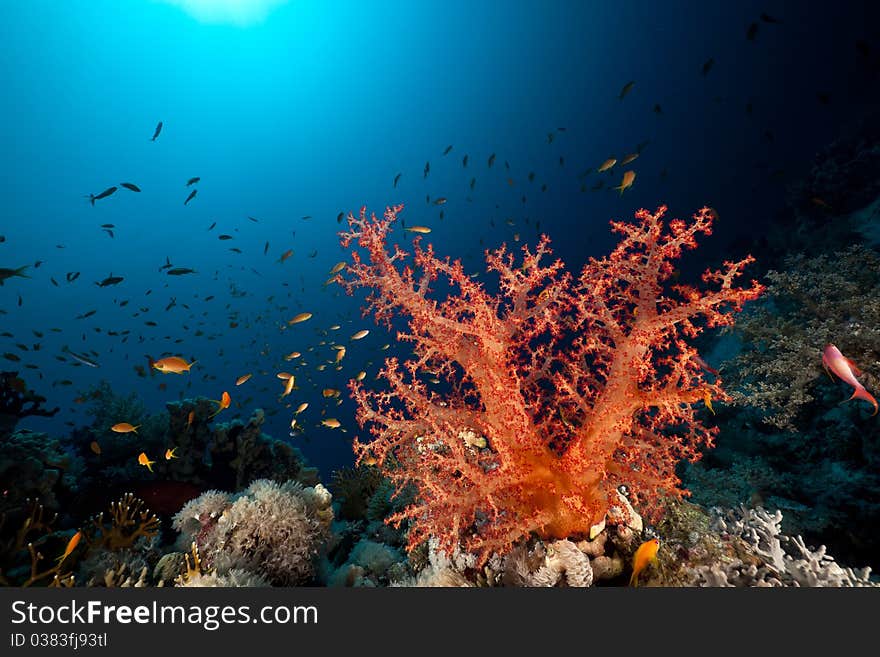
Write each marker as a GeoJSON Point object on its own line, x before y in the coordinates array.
{"type": "Point", "coordinates": [236, 12]}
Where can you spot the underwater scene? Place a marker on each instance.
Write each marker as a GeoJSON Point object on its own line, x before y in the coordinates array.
{"type": "Point", "coordinates": [439, 294]}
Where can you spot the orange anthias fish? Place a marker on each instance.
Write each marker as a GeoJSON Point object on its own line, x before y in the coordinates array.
{"type": "Point", "coordinates": [71, 546]}
{"type": "Point", "coordinates": [171, 454]}
{"type": "Point", "coordinates": [847, 370]}
{"type": "Point", "coordinates": [645, 555]}
{"type": "Point", "coordinates": [143, 460]}
{"type": "Point", "coordinates": [628, 179]}
{"type": "Point", "coordinates": [242, 379]}
{"type": "Point", "coordinates": [190, 418]}
{"type": "Point", "coordinates": [225, 401]}
{"type": "Point", "coordinates": [125, 427]}
{"type": "Point", "coordinates": [172, 365]}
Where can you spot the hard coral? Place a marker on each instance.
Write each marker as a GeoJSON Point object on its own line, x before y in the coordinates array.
{"type": "Point", "coordinates": [572, 386]}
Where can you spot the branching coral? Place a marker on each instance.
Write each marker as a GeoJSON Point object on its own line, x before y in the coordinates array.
{"type": "Point", "coordinates": [829, 298]}
{"type": "Point", "coordinates": [573, 386]}
{"type": "Point", "coordinates": [129, 521]}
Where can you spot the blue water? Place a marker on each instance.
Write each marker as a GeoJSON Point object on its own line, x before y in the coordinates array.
{"type": "Point", "coordinates": [315, 109]}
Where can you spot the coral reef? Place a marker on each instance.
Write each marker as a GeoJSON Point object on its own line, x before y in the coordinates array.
{"type": "Point", "coordinates": [39, 467]}
{"type": "Point", "coordinates": [18, 402]}
{"type": "Point", "coordinates": [271, 530]}
{"type": "Point", "coordinates": [561, 388]}
{"type": "Point", "coordinates": [792, 442]}
{"type": "Point", "coordinates": [781, 560]}
{"type": "Point", "coordinates": [814, 301]}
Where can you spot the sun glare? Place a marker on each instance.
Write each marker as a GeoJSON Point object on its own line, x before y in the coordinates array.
{"type": "Point", "coordinates": [236, 12]}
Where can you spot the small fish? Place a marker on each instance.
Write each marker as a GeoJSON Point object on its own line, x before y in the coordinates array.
{"type": "Point", "coordinates": [95, 447]}
{"type": "Point", "coordinates": [190, 418]}
{"type": "Point", "coordinates": [266, 248]}
{"type": "Point", "coordinates": [289, 386]}
{"type": "Point", "coordinates": [360, 334]}
{"type": "Point", "coordinates": [360, 376]}
{"type": "Point", "coordinates": [107, 192]}
{"type": "Point", "coordinates": [447, 150]}
{"type": "Point", "coordinates": [491, 160]}
{"type": "Point", "coordinates": [110, 280]}
{"type": "Point", "coordinates": [657, 109]}
{"type": "Point", "coordinates": [243, 379]}
{"type": "Point", "coordinates": [9, 273]}
{"type": "Point", "coordinates": [143, 460]}
{"type": "Point", "coordinates": [86, 315]}
{"type": "Point", "coordinates": [626, 89]}
{"type": "Point", "coordinates": [131, 186]}
{"type": "Point", "coordinates": [769, 19]}
{"type": "Point", "coordinates": [224, 403]}
{"type": "Point", "coordinates": [440, 201]}
{"type": "Point", "coordinates": [171, 365]}
{"type": "Point", "coordinates": [180, 271]}
{"type": "Point", "coordinates": [211, 227]}
{"type": "Point", "coordinates": [191, 196]}
{"type": "Point", "coordinates": [158, 130]}
{"type": "Point", "coordinates": [338, 267]}
{"type": "Point", "coordinates": [645, 555]}
{"type": "Point", "coordinates": [427, 169]}
{"type": "Point", "coordinates": [396, 178]}
{"type": "Point", "coordinates": [628, 158]}
{"type": "Point", "coordinates": [464, 161]}
{"type": "Point", "coordinates": [71, 546]}
{"type": "Point", "coordinates": [192, 181]}
{"type": "Point", "coordinates": [752, 32]}
{"type": "Point", "coordinates": [301, 317]}
{"type": "Point", "coordinates": [847, 371]}
{"type": "Point", "coordinates": [331, 422]}
{"type": "Point", "coordinates": [606, 165]}
{"type": "Point", "coordinates": [125, 427]}
{"type": "Point", "coordinates": [171, 454]}
{"type": "Point", "coordinates": [707, 66]}
{"type": "Point", "coordinates": [79, 357]}
{"type": "Point", "coordinates": [285, 255]}
{"type": "Point", "coordinates": [418, 229]}
{"type": "Point", "coordinates": [339, 217]}
{"type": "Point", "coordinates": [301, 408]}
{"type": "Point", "coordinates": [626, 183]}
{"type": "Point", "coordinates": [707, 399]}
{"type": "Point", "coordinates": [225, 237]}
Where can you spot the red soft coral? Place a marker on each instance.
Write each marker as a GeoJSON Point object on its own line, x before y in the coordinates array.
{"type": "Point", "coordinates": [557, 390]}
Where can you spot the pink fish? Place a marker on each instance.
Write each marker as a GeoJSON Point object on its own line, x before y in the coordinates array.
{"type": "Point", "coordinates": [843, 367]}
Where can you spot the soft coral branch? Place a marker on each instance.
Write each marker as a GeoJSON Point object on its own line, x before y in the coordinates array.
{"type": "Point", "coordinates": [573, 386]}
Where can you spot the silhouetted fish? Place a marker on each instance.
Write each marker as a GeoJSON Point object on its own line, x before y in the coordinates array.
{"type": "Point", "coordinates": [131, 186]}
{"type": "Point", "coordinates": [191, 196]}
{"type": "Point", "coordinates": [192, 181]}
{"type": "Point", "coordinates": [707, 66]}
{"type": "Point", "coordinates": [158, 130]}
{"type": "Point", "coordinates": [107, 192]}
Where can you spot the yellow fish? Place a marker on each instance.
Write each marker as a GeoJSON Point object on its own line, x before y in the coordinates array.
{"type": "Point", "coordinates": [225, 401]}
{"type": "Point", "coordinates": [707, 397]}
{"type": "Point", "coordinates": [338, 267]}
{"type": "Point", "coordinates": [95, 447]}
{"type": "Point", "coordinates": [288, 388]}
{"type": "Point", "coordinates": [645, 555]}
{"type": "Point", "coordinates": [172, 365]}
{"type": "Point", "coordinates": [360, 334]}
{"type": "Point", "coordinates": [360, 376]}
{"type": "Point", "coordinates": [143, 460]}
{"type": "Point", "coordinates": [171, 454]}
{"type": "Point", "coordinates": [301, 408]}
{"type": "Point", "coordinates": [125, 427]}
{"type": "Point", "coordinates": [292, 355]}
{"type": "Point", "coordinates": [300, 318]}
{"type": "Point", "coordinates": [627, 181]}
{"type": "Point", "coordinates": [243, 379]}
{"type": "Point", "coordinates": [331, 422]}
{"type": "Point", "coordinates": [418, 229]}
